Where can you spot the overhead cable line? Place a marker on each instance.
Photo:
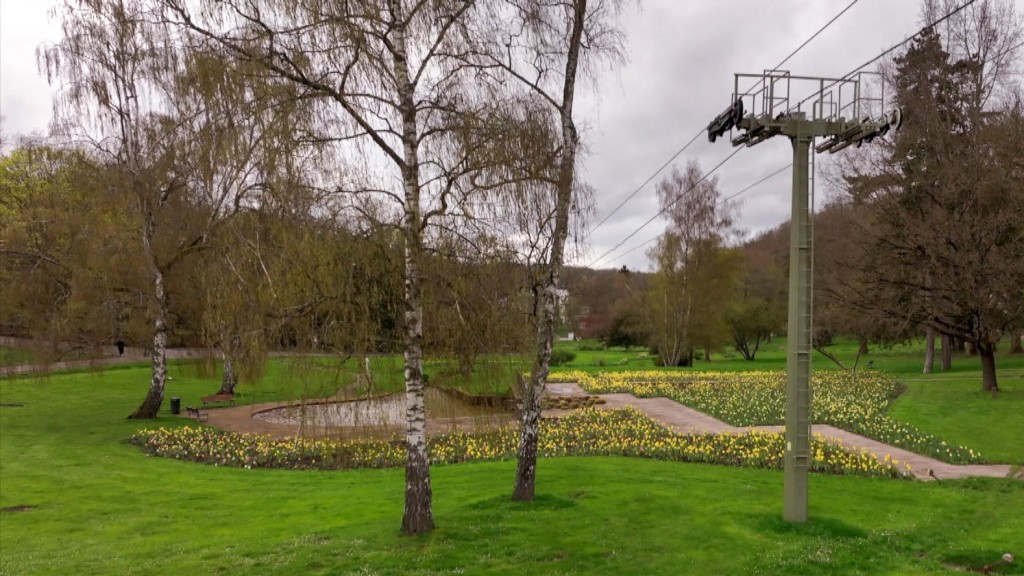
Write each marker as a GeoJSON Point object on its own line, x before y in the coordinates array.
{"type": "Point", "coordinates": [895, 47]}
{"type": "Point", "coordinates": [667, 206]}
{"type": "Point", "coordinates": [801, 47]}
{"type": "Point", "coordinates": [805, 100]}
{"type": "Point", "coordinates": [722, 201]}
{"type": "Point", "coordinates": [701, 130]}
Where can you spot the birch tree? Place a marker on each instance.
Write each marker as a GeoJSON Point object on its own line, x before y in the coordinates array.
{"type": "Point", "coordinates": [542, 48]}
{"type": "Point", "coordinates": [388, 82]}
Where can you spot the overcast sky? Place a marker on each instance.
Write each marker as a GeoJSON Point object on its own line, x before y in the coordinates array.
{"type": "Point", "coordinates": [679, 75]}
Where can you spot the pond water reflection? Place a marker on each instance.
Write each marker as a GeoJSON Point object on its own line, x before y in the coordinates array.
{"type": "Point", "coordinates": [446, 411]}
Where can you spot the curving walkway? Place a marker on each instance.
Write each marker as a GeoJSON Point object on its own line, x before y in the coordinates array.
{"type": "Point", "coordinates": [673, 415]}
{"type": "Point", "coordinates": [686, 420]}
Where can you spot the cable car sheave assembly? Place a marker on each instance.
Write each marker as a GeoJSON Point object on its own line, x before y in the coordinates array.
{"type": "Point", "coordinates": [841, 113]}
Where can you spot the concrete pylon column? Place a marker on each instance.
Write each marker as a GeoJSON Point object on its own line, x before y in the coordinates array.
{"type": "Point", "coordinates": [798, 350]}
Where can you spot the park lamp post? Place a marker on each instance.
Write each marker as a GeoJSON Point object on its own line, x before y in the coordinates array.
{"type": "Point", "coordinates": [839, 113]}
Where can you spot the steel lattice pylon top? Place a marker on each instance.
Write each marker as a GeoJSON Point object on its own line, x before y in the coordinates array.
{"type": "Point", "coordinates": [840, 108]}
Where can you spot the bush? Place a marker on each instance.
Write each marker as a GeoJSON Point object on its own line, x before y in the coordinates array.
{"type": "Point", "coordinates": [560, 357]}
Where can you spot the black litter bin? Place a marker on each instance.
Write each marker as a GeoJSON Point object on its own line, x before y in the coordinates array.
{"type": "Point", "coordinates": [175, 405]}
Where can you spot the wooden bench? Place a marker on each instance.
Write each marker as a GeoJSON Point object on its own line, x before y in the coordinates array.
{"type": "Point", "coordinates": [217, 398]}
{"type": "Point", "coordinates": [196, 413]}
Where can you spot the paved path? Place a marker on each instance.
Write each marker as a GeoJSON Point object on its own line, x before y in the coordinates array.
{"type": "Point", "coordinates": [109, 357]}
{"type": "Point", "coordinates": [685, 420]}
{"type": "Point", "coordinates": [672, 414]}
{"type": "Point", "coordinates": [130, 355]}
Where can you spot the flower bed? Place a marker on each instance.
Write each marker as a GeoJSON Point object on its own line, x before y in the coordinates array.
{"type": "Point", "coordinates": [854, 402]}
{"type": "Point", "coordinates": [584, 432]}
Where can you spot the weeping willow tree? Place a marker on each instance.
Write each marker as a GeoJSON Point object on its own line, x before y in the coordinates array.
{"type": "Point", "coordinates": [483, 338]}
{"type": "Point", "coordinates": [162, 114]}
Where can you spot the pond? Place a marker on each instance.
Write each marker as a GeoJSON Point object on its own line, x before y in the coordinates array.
{"type": "Point", "coordinates": [385, 415]}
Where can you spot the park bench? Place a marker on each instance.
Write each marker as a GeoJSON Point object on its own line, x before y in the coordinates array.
{"type": "Point", "coordinates": [217, 398]}
{"type": "Point", "coordinates": [196, 413]}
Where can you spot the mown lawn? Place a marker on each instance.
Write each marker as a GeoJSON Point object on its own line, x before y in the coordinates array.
{"type": "Point", "coordinates": [292, 378]}
{"type": "Point", "coordinates": [898, 360]}
{"type": "Point", "coordinates": [99, 506]}
{"type": "Point", "coordinates": [955, 409]}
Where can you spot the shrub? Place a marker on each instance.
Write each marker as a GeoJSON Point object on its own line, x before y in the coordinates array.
{"type": "Point", "coordinates": [560, 357]}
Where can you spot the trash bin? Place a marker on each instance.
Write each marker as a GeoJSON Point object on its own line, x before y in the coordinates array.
{"type": "Point", "coordinates": [175, 405]}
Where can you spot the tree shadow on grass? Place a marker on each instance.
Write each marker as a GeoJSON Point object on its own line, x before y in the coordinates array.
{"type": "Point", "coordinates": [540, 503]}
{"type": "Point", "coordinates": [770, 522]}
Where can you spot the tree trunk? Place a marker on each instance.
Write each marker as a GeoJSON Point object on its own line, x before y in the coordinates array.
{"type": "Point", "coordinates": [757, 345]}
{"type": "Point", "coordinates": [418, 516]}
{"type": "Point", "coordinates": [526, 467]}
{"type": "Point", "coordinates": [861, 350]}
{"type": "Point", "coordinates": [947, 352]}
{"type": "Point", "coordinates": [959, 344]}
{"type": "Point", "coordinates": [741, 345]}
{"type": "Point", "coordinates": [228, 381]}
{"type": "Point", "coordinates": [155, 397]}
{"type": "Point", "coordinates": [1015, 344]}
{"type": "Point", "coordinates": [987, 351]}
{"type": "Point", "coordinates": [929, 350]}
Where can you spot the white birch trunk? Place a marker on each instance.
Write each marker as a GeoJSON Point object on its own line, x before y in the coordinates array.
{"type": "Point", "coordinates": [526, 468]}
{"type": "Point", "coordinates": [155, 396]}
{"type": "Point", "coordinates": [418, 516]}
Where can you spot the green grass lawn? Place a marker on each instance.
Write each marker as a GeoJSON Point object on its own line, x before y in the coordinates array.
{"type": "Point", "coordinates": [292, 378]}
{"type": "Point", "coordinates": [955, 409]}
{"type": "Point", "coordinates": [901, 359]}
{"type": "Point", "coordinates": [99, 506]}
